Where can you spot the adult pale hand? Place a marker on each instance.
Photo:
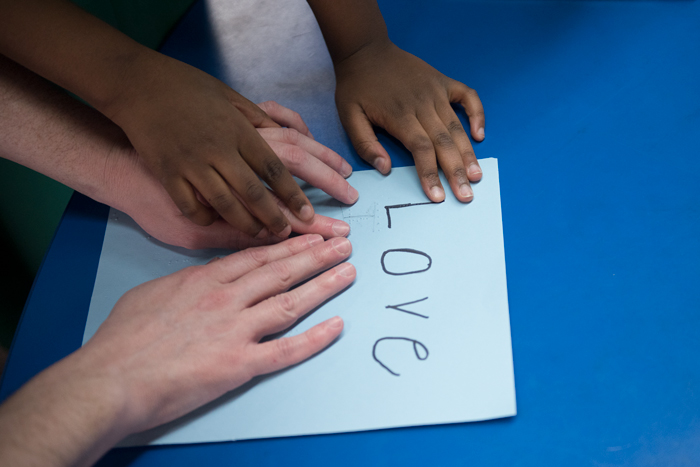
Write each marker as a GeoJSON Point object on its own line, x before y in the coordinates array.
{"type": "Point", "coordinates": [180, 341]}
{"type": "Point", "coordinates": [173, 344]}
{"type": "Point", "coordinates": [385, 86]}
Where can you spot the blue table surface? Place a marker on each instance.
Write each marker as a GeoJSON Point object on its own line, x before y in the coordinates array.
{"type": "Point", "coordinates": [593, 110]}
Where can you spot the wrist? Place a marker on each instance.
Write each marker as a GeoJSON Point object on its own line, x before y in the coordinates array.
{"type": "Point", "coordinates": [69, 414]}
{"type": "Point", "coordinates": [349, 26]}
{"type": "Point", "coordinates": [369, 49]}
{"type": "Point", "coordinates": [96, 391]}
{"type": "Point", "coordinates": [128, 185]}
{"type": "Point", "coordinates": [134, 73]}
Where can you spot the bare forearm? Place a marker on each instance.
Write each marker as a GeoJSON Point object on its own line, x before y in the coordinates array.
{"type": "Point", "coordinates": [68, 46]}
{"type": "Point", "coordinates": [349, 25]}
{"type": "Point", "coordinates": [48, 131]}
{"type": "Point", "coordinates": [62, 417]}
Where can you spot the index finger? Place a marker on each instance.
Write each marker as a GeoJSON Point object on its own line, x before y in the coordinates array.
{"type": "Point", "coordinates": [285, 117]}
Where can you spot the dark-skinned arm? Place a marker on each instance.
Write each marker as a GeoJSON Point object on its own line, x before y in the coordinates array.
{"type": "Point", "coordinates": [196, 135]}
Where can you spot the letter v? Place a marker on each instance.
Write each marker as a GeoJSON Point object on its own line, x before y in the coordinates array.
{"type": "Point", "coordinates": [398, 307]}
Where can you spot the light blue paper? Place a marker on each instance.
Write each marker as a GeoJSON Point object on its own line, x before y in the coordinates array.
{"type": "Point", "coordinates": [461, 371]}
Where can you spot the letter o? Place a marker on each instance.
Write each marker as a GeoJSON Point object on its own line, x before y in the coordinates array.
{"type": "Point", "coordinates": [406, 250]}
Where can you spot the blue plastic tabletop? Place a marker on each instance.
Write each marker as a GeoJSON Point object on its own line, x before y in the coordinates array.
{"type": "Point", "coordinates": [593, 110]}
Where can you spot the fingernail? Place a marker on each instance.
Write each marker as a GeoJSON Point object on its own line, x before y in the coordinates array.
{"type": "Point", "coordinates": [314, 239]}
{"type": "Point", "coordinates": [335, 323]}
{"type": "Point", "coordinates": [341, 245]}
{"type": "Point", "coordinates": [379, 164]}
{"type": "Point", "coordinates": [480, 133]}
{"type": "Point", "coordinates": [306, 213]}
{"type": "Point", "coordinates": [341, 229]}
{"type": "Point", "coordinates": [346, 170]}
{"type": "Point", "coordinates": [352, 194]}
{"type": "Point", "coordinates": [285, 233]}
{"type": "Point", "coordinates": [465, 191]}
{"type": "Point", "coordinates": [437, 193]}
{"type": "Point", "coordinates": [474, 169]}
{"type": "Point", "coordinates": [345, 270]}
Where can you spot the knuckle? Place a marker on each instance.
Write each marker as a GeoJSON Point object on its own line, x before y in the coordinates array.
{"type": "Point", "coordinates": [277, 223]}
{"type": "Point", "coordinates": [421, 144]}
{"type": "Point", "coordinates": [431, 176]}
{"type": "Point", "coordinates": [286, 305]}
{"type": "Point", "coordinates": [255, 192]}
{"type": "Point", "coordinates": [460, 174]}
{"type": "Point", "coordinates": [290, 135]}
{"type": "Point", "coordinates": [273, 170]}
{"type": "Point", "coordinates": [293, 200]}
{"type": "Point", "coordinates": [251, 228]}
{"type": "Point", "coordinates": [282, 274]}
{"type": "Point", "coordinates": [469, 154]}
{"type": "Point", "coordinates": [284, 349]}
{"type": "Point", "coordinates": [444, 140]}
{"type": "Point", "coordinates": [294, 156]}
{"type": "Point", "coordinates": [221, 201]}
{"type": "Point", "coordinates": [364, 148]}
{"type": "Point", "coordinates": [455, 127]}
{"type": "Point", "coordinates": [319, 255]}
{"type": "Point", "coordinates": [312, 339]}
{"type": "Point", "coordinates": [479, 115]}
{"type": "Point", "coordinates": [256, 257]}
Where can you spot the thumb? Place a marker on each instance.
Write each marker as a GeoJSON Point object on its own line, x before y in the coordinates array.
{"type": "Point", "coordinates": [469, 99]}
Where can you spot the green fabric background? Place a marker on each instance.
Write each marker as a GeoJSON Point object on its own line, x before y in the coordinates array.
{"type": "Point", "coordinates": [31, 205]}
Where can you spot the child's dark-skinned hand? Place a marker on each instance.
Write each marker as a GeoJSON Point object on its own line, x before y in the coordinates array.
{"type": "Point", "coordinates": [385, 86]}
{"type": "Point", "coordinates": [199, 138]}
